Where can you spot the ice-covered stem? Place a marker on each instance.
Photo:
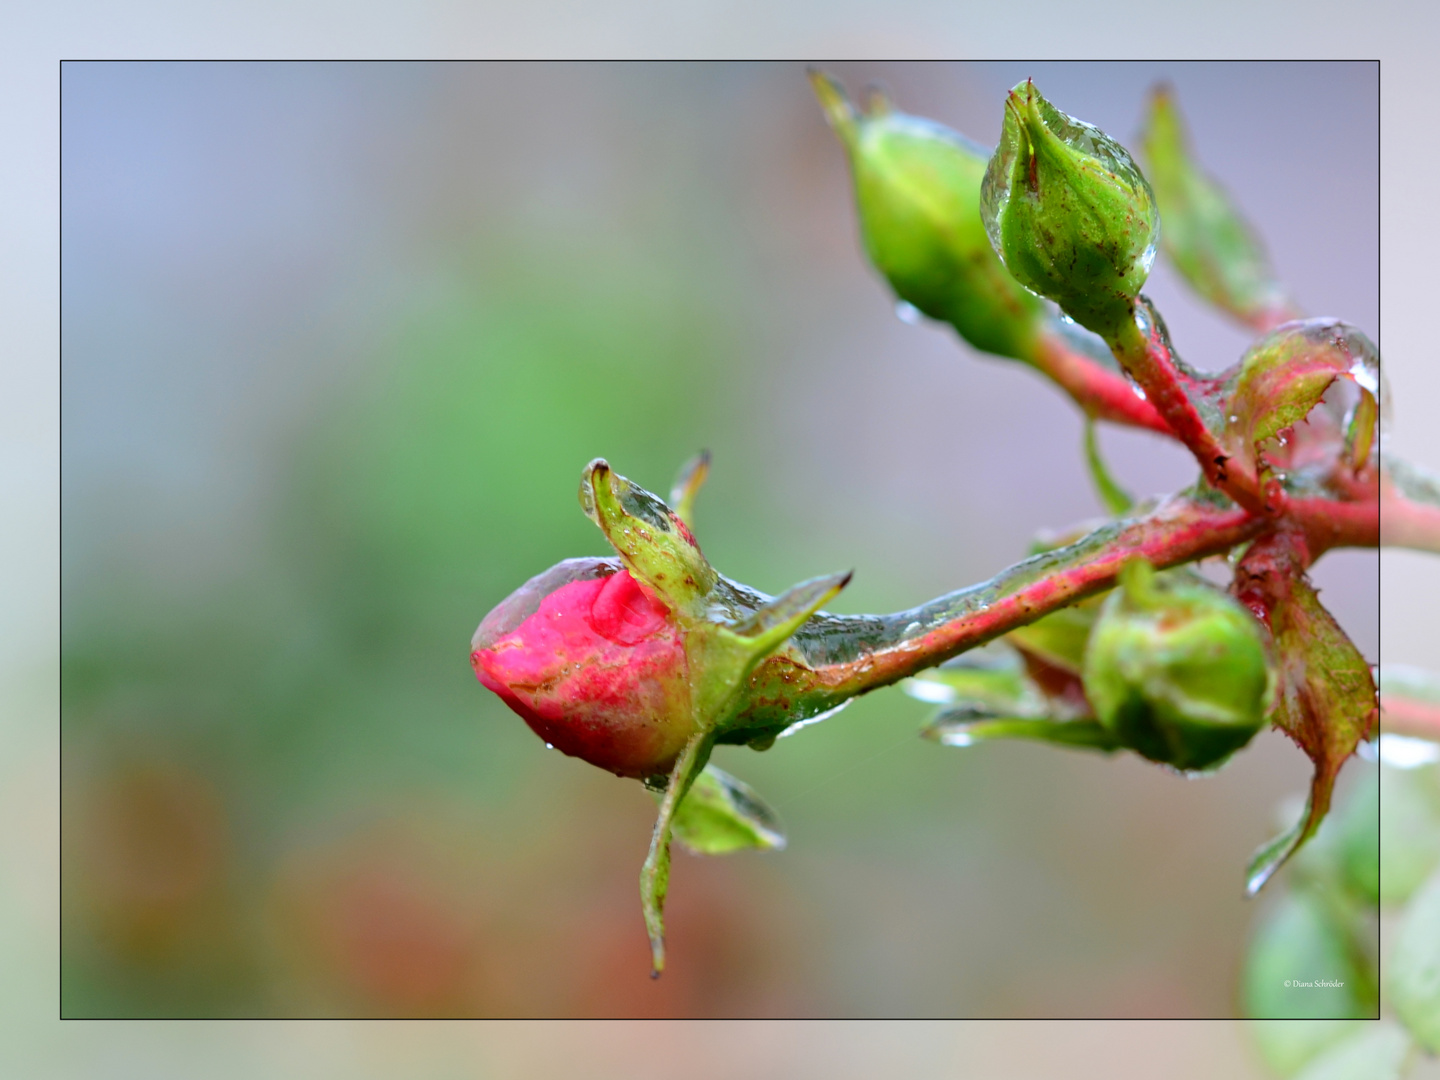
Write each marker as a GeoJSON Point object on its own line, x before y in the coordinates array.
{"type": "Point", "coordinates": [1140, 347]}
{"type": "Point", "coordinates": [850, 655]}
{"type": "Point", "coordinates": [1409, 506]}
{"type": "Point", "coordinates": [1408, 716]}
{"type": "Point", "coordinates": [1100, 392]}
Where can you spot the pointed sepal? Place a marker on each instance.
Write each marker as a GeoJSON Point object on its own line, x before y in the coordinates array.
{"type": "Point", "coordinates": [651, 539]}
{"type": "Point", "coordinates": [687, 485]}
{"type": "Point", "coordinates": [1327, 701]}
{"type": "Point", "coordinates": [655, 873]}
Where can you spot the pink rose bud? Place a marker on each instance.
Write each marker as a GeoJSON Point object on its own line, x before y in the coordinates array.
{"type": "Point", "coordinates": [595, 663]}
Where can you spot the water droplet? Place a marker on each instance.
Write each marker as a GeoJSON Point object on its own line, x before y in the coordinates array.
{"type": "Point", "coordinates": [1406, 752]}
{"type": "Point", "coordinates": [956, 738]}
{"type": "Point", "coordinates": [1234, 419]}
{"type": "Point", "coordinates": [549, 746]}
{"type": "Point", "coordinates": [914, 626]}
{"type": "Point", "coordinates": [1135, 386]}
{"type": "Point", "coordinates": [936, 693]}
{"type": "Point", "coordinates": [814, 719]}
{"type": "Point", "coordinates": [1364, 377]}
{"type": "Point", "coordinates": [907, 312]}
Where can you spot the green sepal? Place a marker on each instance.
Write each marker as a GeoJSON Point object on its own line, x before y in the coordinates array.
{"type": "Point", "coordinates": [1210, 243]}
{"type": "Point", "coordinates": [720, 814]}
{"type": "Point", "coordinates": [1070, 213]}
{"type": "Point", "coordinates": [1061, 637]}
{"type": "Point", "coordinates": [917, 192]}
{"type": "Point", "coordinates": [650, 538]}
{"type": "Point", "coordinates": [687, 485]}
{"type": "Point", "coordinates": [722, 656]}
{"type": "Point", "coordinates": [1115, 498]}
{"type": "Point", "coordinates": [961, 727]}
{"type": "Point", "coordinates": [655, 873]}
{"type": "Point", "coordinates": [991, 678]}
{"type": "Point", "coordinates": [994, 694]}
{"type": "Point", "coordinates": [1327, 702]}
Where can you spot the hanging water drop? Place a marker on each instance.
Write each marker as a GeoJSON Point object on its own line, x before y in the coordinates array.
{"type": "Point", "coordinates": [907, 312]}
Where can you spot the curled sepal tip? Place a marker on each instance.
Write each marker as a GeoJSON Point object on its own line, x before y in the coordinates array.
{"type": "Point", "coordinates": [1070, 212]}
{"type": "Point", "coordinates": [1286, 374]}
{"type": "Point", "coordinates": [687, 485]}
{"type": "Point", "coordinates": [651, 539]}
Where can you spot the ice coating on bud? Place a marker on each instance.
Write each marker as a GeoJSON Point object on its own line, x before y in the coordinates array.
{"type": "Point", "coordinates": [1177, 670]}
{"type": "Point", "coordinates": [1069, 211]}
{"type": "Point", "coordinates": [917, 189]}
{"type": "Point", "coordinates": [594, 663]}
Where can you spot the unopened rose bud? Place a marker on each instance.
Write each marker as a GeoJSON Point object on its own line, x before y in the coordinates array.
{"type": "Point", "coordinates": [1069, 211]}
{"type": "Point", "coordinates": [594, 663]}
{"type": "Point", "coordinates": [623, 661]}
{"type": "Point", "coordinates": [1176, 670]}
{"type": "Point", "coordinates": [917, 188]}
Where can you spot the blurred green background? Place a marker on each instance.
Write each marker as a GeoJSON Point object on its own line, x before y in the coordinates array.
{"type": "Point", "coordinates": [338, 341]}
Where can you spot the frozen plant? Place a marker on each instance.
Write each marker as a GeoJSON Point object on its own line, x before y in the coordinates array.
{"type": "Point", "coordinates": [1103, 639]}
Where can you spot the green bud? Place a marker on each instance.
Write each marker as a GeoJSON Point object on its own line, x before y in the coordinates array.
{"type": "Point", "coordinates": [917, 187]}
{"type": "Point", "coordinates": [1069, 211]}
{"type": "Point", "coordinates": [1176, 670]}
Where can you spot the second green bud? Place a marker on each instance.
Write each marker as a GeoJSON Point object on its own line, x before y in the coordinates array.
{"type": "Point", "coordinates": [1069, 211]}
{"type": "Point", "coordinates": [917, 188]}
{"type": "Point", "coordinates": [1176, 669]}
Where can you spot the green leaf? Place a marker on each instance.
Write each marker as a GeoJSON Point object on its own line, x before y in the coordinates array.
{"type": "Point", "coordinates": [1375, 1052]}
{"type": "Point", "coordinates": [1203, 232]}
{"type": "Point", "coordinates": [687, 484]}
{"type": "Point", "coordinates": [720, 814]}
{"type": "Point", "coordinates": [1284, 375]}
{"type": "Point", "coordinates": [992, 678]}
{"type": "Point", "coordinates": [1413, 972]}
{"type": "Point", "coordinates": [1301, 966]}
